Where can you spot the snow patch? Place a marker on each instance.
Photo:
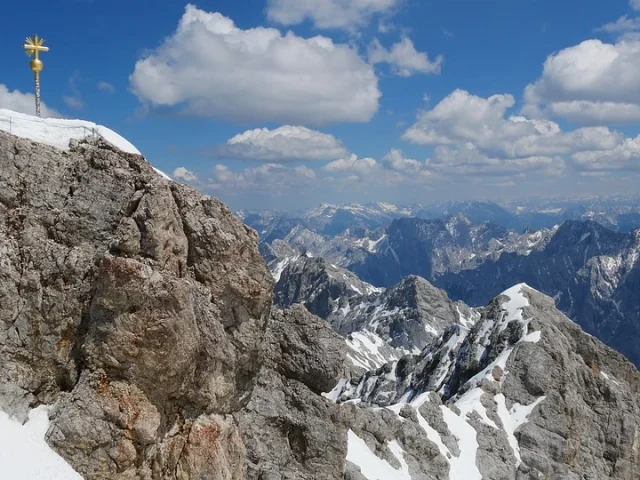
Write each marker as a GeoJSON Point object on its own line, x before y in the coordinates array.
{"type": "Point", "coordinates": [584, 237]}
{"type": "Point", "coordinates": [372, 466]}
{"type": "Point", "coordinates": [608, 378]}
{"type": "Point", "coordinates": [470, 402]}
{"type": "Point", "coordinates": [367, 341]}
{"type": "Point", "coordinates": [24, 454]}
{"type": "Point", "coordinates": [433, 435]}
{"type": "Point", "coordinates": [58, 132]}
{"type": "Point", "coordinates": [463, 467]}
{"type": "Point", "coordinates": [429, 329]}
{"type": "Point", "coordinates": [517, 301]}
{"type": "Point", "coordinates": [279, 268]}
{"type": "Point", "coordinates": [337, 390]}
{"type": "Point", "coordinates": [533, 337]}
{"type": "Point", "coordinates": [512, 419]}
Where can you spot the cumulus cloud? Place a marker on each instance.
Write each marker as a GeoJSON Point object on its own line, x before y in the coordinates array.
{"type": "Point", "coordinates": [475, 135]}
{"type": "Point", "coordinates": [181, 173]}
{"type": "Point", "coordinates": [625, 156]}
{"type": "Point", "coordinates": [328, 14]}
{"type": "Point", "coordinates": [394, 170]}
{"type": "Point", "coordinates": [352, 164]}
{"type": "Point", "coordinates": [345, 176]}
{"type": "Point", "coordinates": [467, 160]}
{"type": "Point", "coordinates": [23, 103]}
{"type": "Point", "coordinates": [462, 118]}
{"type": "Point", "coordinates": [590, 83]}
{"type": "Point", "coordinates": [403, 58]}
{"type": "Point", "coordinates": [269, 179]}
{"type": "Point", "coordinates": [396, 160]}
{"type": "Point", "coordinates": [209, 67]}
{"type": "Point", "coordinates": [284, 144]}
{"type": "Point", "coordinates": [106, 87]}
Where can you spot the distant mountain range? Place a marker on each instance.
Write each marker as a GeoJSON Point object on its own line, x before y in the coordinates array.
{"type": "Point", "coordinates": [592, 272]}
{"type": "Point", "coordinates": [616, 213]}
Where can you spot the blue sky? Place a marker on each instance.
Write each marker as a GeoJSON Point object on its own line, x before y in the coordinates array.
{"type": "Point", "coordinates": [281, 103]}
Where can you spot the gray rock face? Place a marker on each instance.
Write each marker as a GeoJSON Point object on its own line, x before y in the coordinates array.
{"type": "Point", "coordinates": [402, 319]}
{"type": "Point", "coordinates": [526, 395]}
{"type": "Point", "coordinates": [289, 431]}
{"type": "Point", "coordinates": [592, 273]}
{"type": "Point", "coordinates": [134, 305]}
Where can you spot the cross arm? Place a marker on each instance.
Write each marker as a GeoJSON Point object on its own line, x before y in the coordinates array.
{"type": "Point", "coordinates": [36, 47]}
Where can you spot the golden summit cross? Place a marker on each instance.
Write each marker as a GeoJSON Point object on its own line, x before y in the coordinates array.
{"type": "Point", "coordinates": [33, 46]}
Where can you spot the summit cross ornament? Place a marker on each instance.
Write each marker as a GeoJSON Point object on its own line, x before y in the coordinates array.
{"type": "Point", "coordinates": [33, 47]}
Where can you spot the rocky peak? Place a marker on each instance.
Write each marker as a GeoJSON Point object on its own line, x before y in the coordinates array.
{"type": "Point", "coordinates": [379, 324]}
{"type": "Point", "coordinates": [575, 236]}
{"type": "Point", "coordinates": [133, 305]}
{"type": "Point", "coordinates": [522, 394]}
{"type": "Point", "coordinates": [319, 285]}
{"type": "Point", "coordinates": [588, 269]}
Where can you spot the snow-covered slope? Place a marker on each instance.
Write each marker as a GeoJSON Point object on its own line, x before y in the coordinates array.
{"type": "Point", "coordinates": [57, 132]}
{"type": "Point", "coordinates": [24, 454]}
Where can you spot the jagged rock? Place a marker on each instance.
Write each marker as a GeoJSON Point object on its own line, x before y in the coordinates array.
{"type": "Point", "coordinates": [542, 398]}
{"type": "Point", "coordinates": [304, 348]}
{"type": "Point", "coordinates": [134, 305]}
{"type": "Point", "coordinates": [399, 320]}
{"type": "Point", "coordinates": [291, 432]}
{"type": "Point", "coordinates": [593, 274]}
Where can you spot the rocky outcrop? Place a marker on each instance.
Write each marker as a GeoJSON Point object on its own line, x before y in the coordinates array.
{"type": "Point", "coordinates": [135, 306]}
{"type": "Point", "coordinates": [380, 325]}
{"type": "Point", "coordinates": [289, 430]}
{"type": "Point", "coordinates": [592, 273]}
{"type": "Point", "coordinates": [523, 394]}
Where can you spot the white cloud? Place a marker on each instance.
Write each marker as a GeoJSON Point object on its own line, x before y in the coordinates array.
{"type": "Point", "coordinates": [590, 83]}
{"type": "Point", "coordinates": [625, 156]}
{"type": "Point", "coordinates": [403, 58]}
{"type": "Point", "coordinates": [385, 27]}
{"type": "Point", "coordinates": [209, 67]}
{"type": "Point", "coordinates": [23, 103]}
{"type": "Point", "coordinates": [73, 101]}
{"type": "Point", "coordinates": [106, 87]}
{"type": "Point", "coordinates": [352, 164]}
{"type": "Point", "coordinates": [394, 170]}
{"type": "Point", "coordinates": [284, 144]}
{"type": "Point", "coordinates": [466, 160]}
{"type": "Point", "coordinates": [395, 160]}
{"type": "Point", "coordinates": [328, 14]}
{"type": "Point", "coordinates": [624, 25]}
{"type": "Point", "coordinates": [181, 173]}
{"type": "Point", "coordinates": [343, 176]}
{"type": "Point", "coordinates": [475, 135]}
{"type": "Point", "coordinates": [269, 178]}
